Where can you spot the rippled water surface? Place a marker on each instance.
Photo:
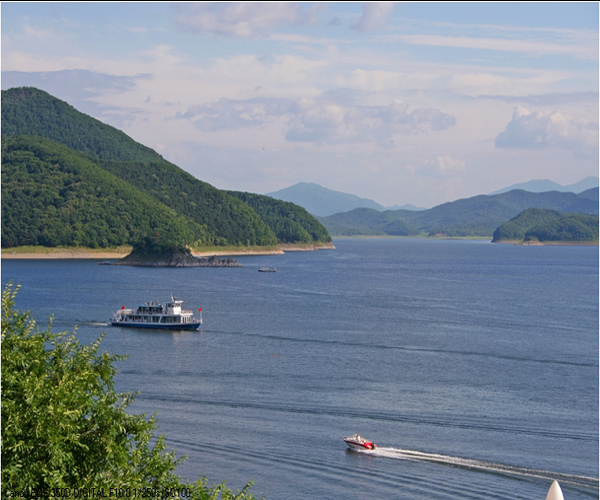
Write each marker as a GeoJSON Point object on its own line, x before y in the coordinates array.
{"type": "Point", "coordinates": [474, 366]}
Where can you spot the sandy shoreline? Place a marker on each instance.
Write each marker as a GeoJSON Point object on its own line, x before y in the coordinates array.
{"type": "Point", "coordinates": [87, 253]}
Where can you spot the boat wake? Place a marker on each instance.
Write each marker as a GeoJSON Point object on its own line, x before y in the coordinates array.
{"type": "Point", "coordinates": [481, 465]}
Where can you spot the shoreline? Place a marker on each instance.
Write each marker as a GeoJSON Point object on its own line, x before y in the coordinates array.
{"type": "Point", "coordinates": [547, 243]}
{"type": "Point", "coordinates": [118, 253]}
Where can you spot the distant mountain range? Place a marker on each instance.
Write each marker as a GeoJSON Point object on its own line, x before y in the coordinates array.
{"type": "Point", "coordinates": [476, 216]}
{"type": "Point", "coordinates": [543, 185]}
{"type": "Point", "coordinates": [321, 201]}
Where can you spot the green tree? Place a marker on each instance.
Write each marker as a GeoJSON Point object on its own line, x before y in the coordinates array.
{"type": "Point", "coordinates": [64, 426]}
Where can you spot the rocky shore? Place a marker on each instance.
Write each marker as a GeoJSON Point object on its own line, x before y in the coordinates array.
{"type": "Point", "coordinates": [174, 259]}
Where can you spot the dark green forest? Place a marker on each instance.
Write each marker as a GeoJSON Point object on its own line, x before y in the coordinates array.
{"type": "Point", "coordinates": [289, 222]}
{"type": "Point", "coordinates": [70, 180]}
{"type": "Point", "coordinates": [53, 196]}
{"type": "Point", "coordinates": [29, 111]}
{"type": "Point", "coordinates": [536, 224]}
{"type": "Point", "coordinates": [572, 227]}
{"type": "Point", "coordinates": [228, 220]}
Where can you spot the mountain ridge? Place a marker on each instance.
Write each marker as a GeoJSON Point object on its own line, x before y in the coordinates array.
{"type": "Point", "coordinates": [324, 202]}
{"type": "Point", "coordinates": [212, 217]}
{"type": "Point", "coordinates": [476, 216]}
{"type": "Point", "coordinates": [544, 185]}
{"type": "Point", "coordinates": [319, 200]}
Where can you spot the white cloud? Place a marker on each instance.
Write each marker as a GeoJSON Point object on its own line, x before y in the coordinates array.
{"type": "Point", "coordinates": [441, 167]}
{"type": "Point", "coordinates": [447, 164]}
{"type": "Point", "coordinates": [395, 115]}
{"type": "Point", "coordinates": [327, 119]}
{"type": "Point", "coordinates": [585, 49]}
{"type": "Point", "coordinates": [332, 118]}
{"type": "Point", "coordinates": [546, 129]}
{"type": "Point", "coordinates": [241, 19]}
{"type": "Point", "coordinates": [228, 114]}
{"type": "Point", "coordinates": [374, 16]}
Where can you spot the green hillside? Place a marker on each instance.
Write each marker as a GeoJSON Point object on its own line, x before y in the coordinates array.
{"type": "Point", "coordinates": [571, 228]}
{"type": "Point", "coordinates": [536, 224]}
{"type": "Point", "coordinates": [476, 216]}
{"type": "Point", "coordinates": [53, 196]}
{"type": "Point", "coordinates": [228, 219]}
{"type": "Point", "coordinates": [290, 223]}
{"type": "Point", "coordinates": [516, 228]}
{"type": "Point", "coordinates": [211, 216]}
{"type": "Point", "coordinates": [29, 111]}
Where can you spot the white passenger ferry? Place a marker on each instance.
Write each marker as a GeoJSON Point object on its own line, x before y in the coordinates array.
{"type": "Point", "coordinates": [168, 316]}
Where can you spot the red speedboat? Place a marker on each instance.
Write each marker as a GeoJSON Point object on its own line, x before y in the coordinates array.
{"type": "Point", "coordinates": [357, 442]}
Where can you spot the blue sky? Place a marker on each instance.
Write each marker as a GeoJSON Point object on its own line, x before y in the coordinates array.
{"type": "Point", "coordinates": [417, 103]}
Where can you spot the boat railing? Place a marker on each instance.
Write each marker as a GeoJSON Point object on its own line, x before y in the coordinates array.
{"type": "Point", "coordinates": [153, 313]}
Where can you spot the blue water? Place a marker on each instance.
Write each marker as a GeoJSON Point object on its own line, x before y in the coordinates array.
{"type": "Point", "coordinates": [474, 366]}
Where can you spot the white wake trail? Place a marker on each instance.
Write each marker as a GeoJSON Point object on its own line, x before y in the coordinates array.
{"type": "Point", "coordinates": [481, 465]}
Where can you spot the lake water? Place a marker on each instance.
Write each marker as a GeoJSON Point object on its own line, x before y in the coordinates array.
{"type": "Point", "coordinates": [473, 366]}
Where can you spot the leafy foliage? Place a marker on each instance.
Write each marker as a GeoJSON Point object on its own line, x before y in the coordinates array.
{"type": "Point", "coordinates": [64, 426]}
{"type": "Point", "coordinates": [290, 223]}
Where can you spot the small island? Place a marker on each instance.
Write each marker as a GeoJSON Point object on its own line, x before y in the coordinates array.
{"type": "Point", "coordinates": [536, 226]}
{"type": "Point", "coordinates": [149, 252]}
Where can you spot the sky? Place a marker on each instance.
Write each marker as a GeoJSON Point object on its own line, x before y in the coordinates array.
{"type": "Point", "coordinates": [404, 102]}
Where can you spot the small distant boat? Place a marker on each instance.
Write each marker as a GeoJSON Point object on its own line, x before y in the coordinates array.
{"type": "Point", "coordinates": [168, 316]}
{"type": "Point", "coordinates": [267, 269]}
{"type": "Point", "coordinates": [358, 442]}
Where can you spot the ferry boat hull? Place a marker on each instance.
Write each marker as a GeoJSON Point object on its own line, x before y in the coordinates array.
{"type": "Point", "coordinates": [180, 326]}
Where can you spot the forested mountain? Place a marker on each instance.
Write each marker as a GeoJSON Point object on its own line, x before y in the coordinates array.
{"type": "Point", "coordinates": [548, 225]}
{"type": "Point", "coordinates": [66, 174]}
{"type": "Point", "coordinates": [290, 223]}
{"type": "Point", "coordinates": [29, 111]}
{"type": "Point", "coordinates": [590, 194]}
{"type": "Point", "coordinates": [54, 196]}
{"type": "Point", "coordinates": [476, 216]}
{"type": "Point", "coordinates": [228, 220]}
{"type": "Point", "coordinates": [571, 228]}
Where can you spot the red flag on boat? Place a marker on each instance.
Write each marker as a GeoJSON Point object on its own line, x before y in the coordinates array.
{"type": "Point", "coordinates": [123, 307]}
{"type": "Point", "coordinates": [200, 309]}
